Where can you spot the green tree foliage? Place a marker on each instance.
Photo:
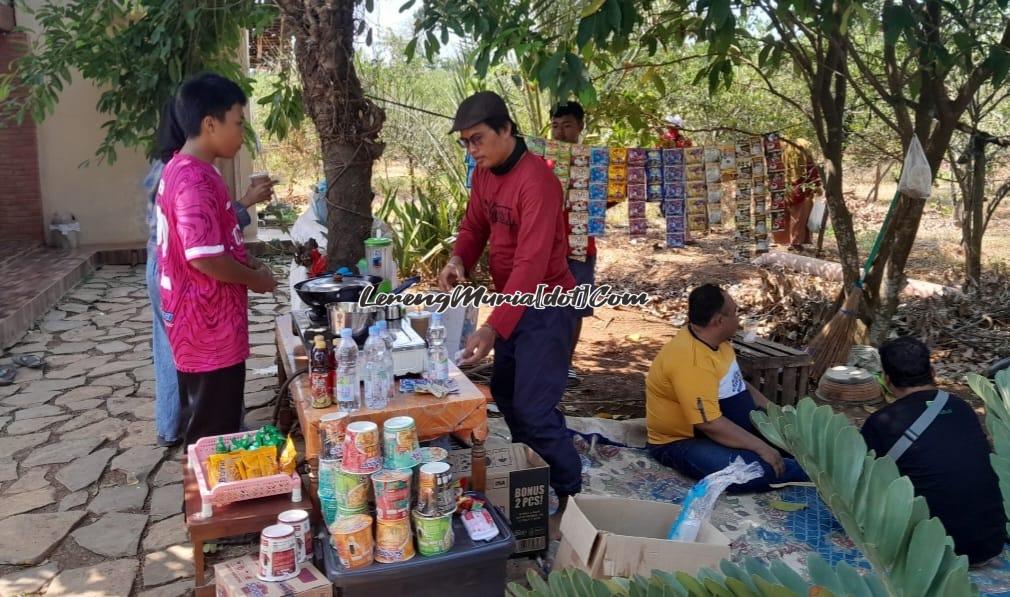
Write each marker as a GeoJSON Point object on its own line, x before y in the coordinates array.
{"type": "Point", "coordinates": [138, 52]}
{"type": "Point", "coordinates": [933, 58]}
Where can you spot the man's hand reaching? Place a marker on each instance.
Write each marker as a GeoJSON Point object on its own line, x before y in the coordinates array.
{"type": "Point", "coordinates": [451, 274]}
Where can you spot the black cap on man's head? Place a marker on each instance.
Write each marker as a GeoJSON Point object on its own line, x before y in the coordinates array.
{"type": "Point", "coordinates": [477, 108]}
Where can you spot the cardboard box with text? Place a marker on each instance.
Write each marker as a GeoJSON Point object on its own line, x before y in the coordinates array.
{"type": "Point", "coordinates": [237, 578]}
{"type": "Point", "coordinates": [517, 482]}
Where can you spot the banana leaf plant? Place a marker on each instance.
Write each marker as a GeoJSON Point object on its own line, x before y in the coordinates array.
{"type": "Point", "coordinates": [910, 552]}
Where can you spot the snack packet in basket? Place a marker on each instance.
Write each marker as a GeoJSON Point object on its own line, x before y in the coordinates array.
{"type": "Point", "coordinates": [289, 457]}
{"type": "Point", "coordinates": [223, 468]}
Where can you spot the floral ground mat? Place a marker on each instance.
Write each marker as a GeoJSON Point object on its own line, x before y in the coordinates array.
{"type": "Point", "coordinates": [755, 526]}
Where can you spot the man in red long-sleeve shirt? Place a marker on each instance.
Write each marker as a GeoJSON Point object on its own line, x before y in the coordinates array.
{"type": "Point", "coordinates": [516, 205]}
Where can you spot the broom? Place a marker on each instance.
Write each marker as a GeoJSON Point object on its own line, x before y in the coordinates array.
{"type": "Point", "coordinates": [833, 342]}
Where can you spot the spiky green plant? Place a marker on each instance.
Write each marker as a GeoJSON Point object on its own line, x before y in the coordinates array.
{"type": "Point", "coordinates": [877, 506]}
{"type": "Point", "coordinates": [997, 403]}
{"type": "Point", "coordinates": [425, 226]}
{"type": "Point", "coordinates": [910, 553]}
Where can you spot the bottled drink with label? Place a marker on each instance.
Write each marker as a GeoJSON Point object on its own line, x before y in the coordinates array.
{"type": "Point", "coordinates": [319, 371]}
{"type": "Point", "coordinates": [347, 390]}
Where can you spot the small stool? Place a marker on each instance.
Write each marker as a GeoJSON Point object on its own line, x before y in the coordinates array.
{"type": "Point", "coordinates": [238, 518]}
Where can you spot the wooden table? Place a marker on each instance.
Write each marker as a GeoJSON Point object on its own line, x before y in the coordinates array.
{"type": "Point", "coordinates": [464, 415]}
{"type": "Point", "coordinates": [238, 518]}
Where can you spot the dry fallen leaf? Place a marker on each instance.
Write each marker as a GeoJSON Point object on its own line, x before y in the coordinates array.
{"type": "Point", "coordinates": [788, 506]}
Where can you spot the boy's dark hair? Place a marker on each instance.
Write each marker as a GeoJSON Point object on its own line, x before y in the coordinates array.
{"type": "Point", "coordinates": [573, 109]}
{"type": "Point", "coordinates": [497, 124]}
{"type": "Point", "coordinates": [703, 303]}
{"type": "Point", "coordinates": [906, 362]}
{"type": "Point", "coordinates": [169, 138]}
{"type": "Point", "coordinates": [203, 95]}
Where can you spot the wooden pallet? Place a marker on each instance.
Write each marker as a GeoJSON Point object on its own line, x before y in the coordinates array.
{"type": "Point", "coordinates": [779, 372]}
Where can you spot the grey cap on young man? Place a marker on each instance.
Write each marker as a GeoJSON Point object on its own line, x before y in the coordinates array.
{"type": "Point", "coordinates": [477, 108]}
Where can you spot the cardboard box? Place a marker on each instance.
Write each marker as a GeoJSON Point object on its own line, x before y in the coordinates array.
{"type": "Point", "coordinates": [237, 578]}
{"type": "Point", "coordinates": [611, 536]}
{"type": "Point", "coordinates": [517, 482]}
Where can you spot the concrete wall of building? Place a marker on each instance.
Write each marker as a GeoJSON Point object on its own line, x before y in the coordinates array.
{"type": "Point", "coordinates": [107, 200]}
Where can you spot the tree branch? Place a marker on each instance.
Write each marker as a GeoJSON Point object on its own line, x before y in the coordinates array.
{"type": "Point", "coordinates": [977, 77]}
{"type": "Point", "coordinates": [629, 67]}
{"type": "Point", "coordinates": [787, 36]}
{"type": "Point", "coordinates": [771, 88]}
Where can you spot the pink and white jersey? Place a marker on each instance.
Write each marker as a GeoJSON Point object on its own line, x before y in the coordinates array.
{"type": "Point", "coordinates": [206, 320]}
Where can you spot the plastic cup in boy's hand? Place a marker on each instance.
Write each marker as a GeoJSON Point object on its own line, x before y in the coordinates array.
{"type": "Point", "coordinates": [261, 188]}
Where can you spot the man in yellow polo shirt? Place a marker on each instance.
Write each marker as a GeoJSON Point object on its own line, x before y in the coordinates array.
{"type": "Point", "coordinates": [698, 405]}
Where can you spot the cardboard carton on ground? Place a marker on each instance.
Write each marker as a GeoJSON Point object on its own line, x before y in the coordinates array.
{"type": "Point", "coordinates": [237, 578]}
{"type": "Point", "coordinates": [517, 482]}
{"type": "Point", "coordinates": [611, 536]}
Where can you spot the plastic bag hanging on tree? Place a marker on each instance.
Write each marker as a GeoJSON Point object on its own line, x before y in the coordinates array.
{"type": "Point", "coordinates": [916, 179]}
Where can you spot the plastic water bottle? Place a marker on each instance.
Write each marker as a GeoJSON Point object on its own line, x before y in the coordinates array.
{"type": "Point", "coordinates": [438, 355]}
{"type": "Point", "coordinates": [385, 334]}
{"type": "Point", "coordinates": [375, 383]}
{"type": "Point", "coordinates": [348, 395]}
{"type": "Point", "coordinates": [389, 367]}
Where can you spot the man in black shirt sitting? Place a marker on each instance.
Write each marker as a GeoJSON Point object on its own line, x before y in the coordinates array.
{"type": "Point", "coordinates": [948, 462]}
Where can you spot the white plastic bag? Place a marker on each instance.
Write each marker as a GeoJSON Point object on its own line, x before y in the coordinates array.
{"type": "Point", "coordinates": [700, 501]}
{"type": "Point", "coordinates": [916, 179]}
{"type": "Point", "coordinates": [816, 215]}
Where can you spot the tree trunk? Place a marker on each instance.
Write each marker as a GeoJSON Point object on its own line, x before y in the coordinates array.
{"type": "Point", "coordinates": [828, 98]}
{"type": "Point", "coordinates": [841, 219]}
{"type": "Point", "coordinates": [349, 209]}
{"type": "Point", "coordinates": [348, 124]}
{"type": "Point", "coordinates": [973, 227]}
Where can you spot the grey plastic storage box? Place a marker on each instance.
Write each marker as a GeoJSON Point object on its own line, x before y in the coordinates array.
{"type": "Point", "coordinates": [469, 569]}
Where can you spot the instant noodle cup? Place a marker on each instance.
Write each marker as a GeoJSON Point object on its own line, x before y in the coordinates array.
{"type": "Point", "coordinates": [425, 455]}
{"type": "Point", "coordinates": [278, 554]}
{"type": "Point", "coordinates": [361, 448]}
{"type": "Point", "coordinates": [327, 477]}
{"type": "Point", "coordinates": [329, 509]}
{"type": "Point", "coordinates": [434, 533]}
{"type": "Point", "coordinates": [400, 448]}
{"type": "Point", "coordinates": [349, 512]}
{"type": "Point", "coordinates": [351, 537]}
{"type": "Point", "coordinates": [435, 492]}
{"type": "Point", "coordinates": [394, 541]}
{"type": "Point", "coordinates": [392, 494]}
{"type": "Point", "coordinates": [352, 490]}
{"type": "Point", "coordinates": [332, 428]}
{"type": "Point", "coordinates": [299, 521]}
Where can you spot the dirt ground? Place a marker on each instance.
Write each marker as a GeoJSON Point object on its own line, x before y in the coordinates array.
{"type": "Point", "coordinates": [617, 345]}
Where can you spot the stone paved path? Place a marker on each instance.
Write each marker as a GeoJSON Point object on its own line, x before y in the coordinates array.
{"type": "Point", "coordinates": [89, 505]}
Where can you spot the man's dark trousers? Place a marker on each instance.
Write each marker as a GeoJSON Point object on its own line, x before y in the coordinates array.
{"type": "Point", "coordinates": [528, 381]}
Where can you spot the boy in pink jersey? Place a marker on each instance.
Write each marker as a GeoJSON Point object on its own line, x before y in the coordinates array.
{"type": "Point", "coordinates": [205, 271]}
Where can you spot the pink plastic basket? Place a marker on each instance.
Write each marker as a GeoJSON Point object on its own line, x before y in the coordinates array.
{"type": "Point", "coordinates": [235, 491]}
